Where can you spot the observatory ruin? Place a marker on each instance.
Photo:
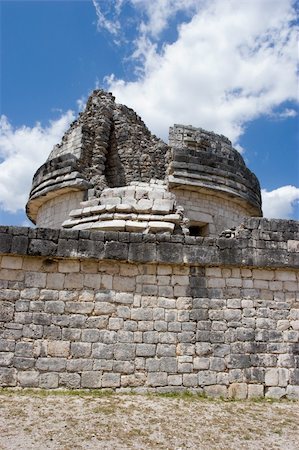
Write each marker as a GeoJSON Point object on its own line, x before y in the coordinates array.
{"type": "Point", "coordinates": [150, 269]}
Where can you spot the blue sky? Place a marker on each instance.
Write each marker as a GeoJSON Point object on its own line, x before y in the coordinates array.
{"type": "Point", "coordinates": [224, 65]}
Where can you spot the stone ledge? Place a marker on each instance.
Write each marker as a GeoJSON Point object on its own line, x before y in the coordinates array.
{"type": "Point", "coordinates": [257, 243]}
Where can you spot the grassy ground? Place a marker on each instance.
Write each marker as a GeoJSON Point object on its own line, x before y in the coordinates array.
{"type": "Point", "coordinates": [71, 420]}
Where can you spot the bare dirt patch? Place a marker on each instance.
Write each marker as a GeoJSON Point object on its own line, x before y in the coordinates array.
{"type": "Point", "coordinates": [79, 420]}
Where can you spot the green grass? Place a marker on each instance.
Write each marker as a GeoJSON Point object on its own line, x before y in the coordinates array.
{"type": "Point", "coordinates": [182, 395]}
{"type": "Point", "coordinates": [58, 392]}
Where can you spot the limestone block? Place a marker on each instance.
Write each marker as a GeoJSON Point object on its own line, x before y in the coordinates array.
{"type": "Point", "coordinates": [79, 365]}
{"type": "Point", "coordinates": [6, 358]}
{"type": "Point", "coordinates": [79, 307]}
{"type": "Point", "coordinates": [12, 262]}
{"type": "Point", "coordinates": [275, 392]}
{"type": "Point", "coordinates": [90, 335]}
{"type": "Point", "coordinates": [255, 391]}
{"type": "Point", "coordinates": [111, 380]}
{"type": "Point", "coordinates": [163, 206]}
{"type": "Point", "coordinates": [69, 380]}
{"type": "Point", "coordinates": [28, 378]}
{"type": "Point", "coordinates": [68, 266]}
{"type": "Point", "coordinates": [80, 349]}
{"type": "Point", "coordinates": [91, 379]}
{"type": "Point", "coordinates": [216, 391]}
{"type": "Point", "coordinates": [109, 225]}
{"type": "Point", "coordinates": [293, 392]}
{"type": "Point", "coordinates": [160, 227]}
{"type": "Point", "coordinates": [126, 298]}
{"type": "Point", "coordinates": [48, 381]}
{"type": "Point", "coordinates": [115, 323]}
{"type": "Point", "coordinates": [104, 308]}
{"type": "Point", "coordinates": [102, 351]}
{"type": "Point", "coordinates": [7, 345]}
{"type": "Point", "coordinates": [54, 307]}
{"type": "Point", "coordinates": [157, 379]}
{"type": "Point", "coordinates": [135, 226]}
{"type": "Point", "coordinates": [6, 311]}
{"type": "Point", "coordinates": [35, 279]}
{"type": "Point", "coordinates": [146, 350]}
{"type": "Point", "coordinates": [238, 391]}
{"type": "Point", "coordinates": [271, 377]}
{"type": "Point", "coordinates": [143, 206]}
{"type": "Point", "coordinates": [59, 348]}
{"type": "Point", "coordinates": [126, 207]}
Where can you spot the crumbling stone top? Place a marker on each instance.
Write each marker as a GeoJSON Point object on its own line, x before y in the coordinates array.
{"type": "Point", "coordinates": [109, 146]}
{"type": "Point", "coordinates": [207, 160]}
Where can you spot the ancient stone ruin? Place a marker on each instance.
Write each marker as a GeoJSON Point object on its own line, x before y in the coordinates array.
{"type": "Point", "coordinates": [151, 268]}
{"type": "Point", "coordinates": [111, 174]}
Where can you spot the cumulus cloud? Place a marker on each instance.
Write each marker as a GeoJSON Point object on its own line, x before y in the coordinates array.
{"type": "Point", "coordinates": [231, 63]}
{"type": "Point", "coordinates": [22, 151]}
{"type": "Point", "coordinates": [280, 203]}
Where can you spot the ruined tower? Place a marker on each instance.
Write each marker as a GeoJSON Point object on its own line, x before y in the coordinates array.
{"type": "Point", "coordinates": [110, 173]}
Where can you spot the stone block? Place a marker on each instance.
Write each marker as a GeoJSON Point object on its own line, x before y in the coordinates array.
{"type": "Point", "coordinates": [216, 391]}
{"type": "Point", "coordinates": [155, 379]}
{"type": "Point", "coordinates": [79, 365]}
{"type": "Point", "coordinates": [80, 349]}
{"type": "Point", "coordinates": [142, 252]}
{"type": "Point", "coordinates": [29, 378]}
{"type": "Point", "coordinates": [111, 380]}
{"type": "Point", "coordinates": [11, 262]}
{"type": "Point", "coordinates": [146, 350]}
{"type": "Point", "coordinates": [255, 391]}
{"type": "Point", "coordinates": [23, 363]}
{"type": "Point", "coordinates": [124, 352]}
{"type": "Point", "coordinates": [9, 295]}
{"type": "Point", "coordinates": [6, 358]}
{"type": "Point", "coordinates": [107, 336]}
{"type": "Point", "coordinates": [79, 307]}
{"type": "Point", "coordinates": [69, 380]}
{"type": "Point", "coordinates": [90, 335]}
{"type": "Point", "coordinates": [175, 380]}
{"type": "Point", "coordinates": [104, 308]}
{"type": "Point", "coordinates": [69, 334]}
{"type": "Point", "coordinates": [35, 279]}
{"type": "Point", "coordinates": [116, 250]}
{"type": "Point", "coordinates": [238, 391]}
{"type": "Point", "coordinates": [54, 307]}
{"type": "Point", "coordinates": [33, 331]}
{"type": "Point", "coordinates": [275, 392]}
{"type": "Point", "coordinates": [48, 381]}
{"type": "Point", "coordinates": [125, 298]}
{"type": "Point", "coordinates": [293, 392]}
{"type": "Point", "coordinates": [68, 266]}
{"type": "Point", "coordinates": [59, 348]}
{"type": "Point", "coordinates": [103, 351]}
{"type": "Point", "coordinates": [51, 364]}
{"type": "Point", "coordinates": [7, 345]}
{"type": "Point", "coordinates": [91, 379]}
{"type": "Point", "coordinates": [8, 377]}
{"type": "Point", "coordinates": [6, 311]}
{"type": "Point", "coordinates": [206, 377]}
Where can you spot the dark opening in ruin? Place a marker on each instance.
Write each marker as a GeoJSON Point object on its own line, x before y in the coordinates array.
{"type": "Point", "coordinates": [199, 230]}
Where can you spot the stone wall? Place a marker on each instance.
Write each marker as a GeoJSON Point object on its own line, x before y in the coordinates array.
{"type": "Point", "coordinates": [213, 210]}
{"type": "Point", "coordinates": [56, 210]}
{"type": "Point", "coordinates": [152, 312]}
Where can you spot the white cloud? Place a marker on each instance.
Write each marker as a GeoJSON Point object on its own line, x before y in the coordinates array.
{"type": "Point", "coordinates": [22, 151]}
{"type": "Point", "coordinates": [280, 203]}
{"type": "Point", "coordinates": [233, 62]}
{"type": "Point", "coordinates": [112, 26]}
